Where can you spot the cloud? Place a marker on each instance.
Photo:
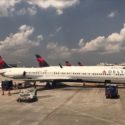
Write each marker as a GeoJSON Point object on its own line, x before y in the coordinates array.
{"type": "Point", "coordinates": [114, 43]}
{"type": "Point", "coordinates": [58, 51]}
{"type": "Point", "coordinates": [59, 5]}
{"type": "Point", "coordinates": [19, 43]}
{"type": "Point", "coordinates": [112, 14]}
{"type": "Point", "coordinates": [6, 5]}
{"type": "Point", "coordinates": [40, 38]}
{"type": "Point", "coordinates": [81, 42]}
{"type": "Point", "coordinates": [57, 30]}
{"type": "Point", "coordinates": [59, 12]}
{"type": "Point", "coordinates": [29, 11]}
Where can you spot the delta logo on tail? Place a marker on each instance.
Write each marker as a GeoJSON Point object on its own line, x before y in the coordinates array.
{"type": "Point", "coordinates": [41, 61]}
{"type": "Point", "coordinates": [3, 64]}
{"type": "Point", "coordinates": [68, 63]}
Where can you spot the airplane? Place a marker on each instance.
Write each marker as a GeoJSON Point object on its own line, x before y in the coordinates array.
{"type": "Point", "coordinates": [54, 74]}
{"type": "Point", "coordinates": [67, 63]}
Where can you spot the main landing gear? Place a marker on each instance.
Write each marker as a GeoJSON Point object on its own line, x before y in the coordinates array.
{"type": "Point", "coordinates": [50, 85]}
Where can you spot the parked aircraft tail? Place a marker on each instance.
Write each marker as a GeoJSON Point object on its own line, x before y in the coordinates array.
{"type": "Point", "coordinates": [3, 64]}
{"type": "Point", "coordinates": [80, 64]}
{"type": "Point", "coordinates": [42, 62]}
{"type": "Point", "coordinates": [68, 63]}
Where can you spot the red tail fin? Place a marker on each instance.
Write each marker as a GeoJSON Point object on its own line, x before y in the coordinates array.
{"type": "Point", "coordinates": [68, 63]}
{"type": "Point", "coordinates": [41, 61]}
{"type": "Point", "coordinates": [80, 64]}
{"type": "Point", "coordinates": [3, 64]}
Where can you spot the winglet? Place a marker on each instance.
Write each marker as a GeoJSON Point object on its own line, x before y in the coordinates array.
{"type": "Point", "coordinates": [60, 65]}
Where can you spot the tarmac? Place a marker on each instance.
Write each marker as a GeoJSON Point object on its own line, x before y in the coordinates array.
{"type": "Point", "coordinates": [66, 105]}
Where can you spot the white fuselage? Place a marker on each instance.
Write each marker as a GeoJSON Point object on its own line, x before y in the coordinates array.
{"type": "Point", "coordinates": [113, 74]}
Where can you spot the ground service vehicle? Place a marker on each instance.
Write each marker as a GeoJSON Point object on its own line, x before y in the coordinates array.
{"type": "Point", "coordinates": [111, 91]}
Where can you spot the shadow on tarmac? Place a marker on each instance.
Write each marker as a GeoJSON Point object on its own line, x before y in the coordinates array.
{"type": "Point", "coordinates": [64, 86]}
{"type": "Point", "coordinates": [58, 86]}
{"type": "Point", "coordinates": [45, 96]}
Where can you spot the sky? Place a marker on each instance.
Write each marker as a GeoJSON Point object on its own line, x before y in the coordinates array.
{"type": "Point", "coordinates": [89, 31]}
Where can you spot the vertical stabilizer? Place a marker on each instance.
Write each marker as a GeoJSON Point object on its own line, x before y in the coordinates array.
{"type": "Point", "coordinates": [80, 64]}
{"type": "Point", "coordinates": [3, 64]}
{"type": "Point", "coordinates": [68, 63]}
{"type": "Point", "coordinates": [42, 62]}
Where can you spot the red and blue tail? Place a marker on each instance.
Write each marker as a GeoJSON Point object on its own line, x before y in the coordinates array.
{"type": "Point", "coordinates": [68, 63]}
{"type": "Point", "coordinates": [41, 61]}
{"type": "Point", "coordinates": [3, 64]}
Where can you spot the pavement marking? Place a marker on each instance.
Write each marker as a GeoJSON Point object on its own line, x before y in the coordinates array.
{"type": "Point", "coordinates": [61, 105]}
{"type": "Point", "coordinates": [94, 117]}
